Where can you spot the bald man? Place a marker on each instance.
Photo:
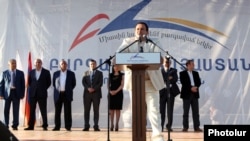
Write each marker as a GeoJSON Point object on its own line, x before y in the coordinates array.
{"type": "Point", "coordinates": [64, 82]}
{"type": "Point", "coordinates": [39, 81]}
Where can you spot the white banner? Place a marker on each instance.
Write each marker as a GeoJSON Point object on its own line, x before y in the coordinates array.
{"type": "Point", "coordinates": [215, 33]}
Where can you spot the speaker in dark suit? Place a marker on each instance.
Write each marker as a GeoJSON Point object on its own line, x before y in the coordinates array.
{"type": "Point", "coordinates": [5, 134]}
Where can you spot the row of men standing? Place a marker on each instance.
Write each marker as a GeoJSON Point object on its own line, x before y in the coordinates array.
{"type": "Point", "coordinates": [12, 90]}
{"type": "Point", "coordinates": [191, 82]}
{"type": "Point", "coordinates": [189, 92]}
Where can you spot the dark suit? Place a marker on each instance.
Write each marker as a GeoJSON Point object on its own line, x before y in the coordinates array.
{"type": "Point", "coordinates": [94, 97]}
{"type": "Point", "coordinates": [63, 98]}
{"type": "Point", "coordinates": [12, 94]}
{"type": "Point", "coordinates": [190, 98]}
{"type": "Point", "coordinates": [165, 98]}
{"type": "Point", "coordinates": [38, 94]}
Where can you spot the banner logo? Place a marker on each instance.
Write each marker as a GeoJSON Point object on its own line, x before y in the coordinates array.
{"type": "Point", "coordinates": [129, 15]}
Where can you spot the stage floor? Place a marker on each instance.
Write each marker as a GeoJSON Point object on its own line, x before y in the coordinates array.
{"type": "Point", "coordinates": [76, 134]}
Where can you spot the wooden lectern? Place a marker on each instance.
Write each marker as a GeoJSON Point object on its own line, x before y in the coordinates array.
{"type": "Point", "coordinates": [138, 63]}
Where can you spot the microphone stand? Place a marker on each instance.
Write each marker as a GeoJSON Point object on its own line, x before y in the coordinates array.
{"type": "Point", "coordinates": [168, 91]}
{"type": "Point", "coordinates": [108, 61]}
{"type": "Point", "coordinates": [167, 84]}
{"type": "Point", "coordinates": [129, 45]}
{"type": "Point", "coordinates": [170, 56]}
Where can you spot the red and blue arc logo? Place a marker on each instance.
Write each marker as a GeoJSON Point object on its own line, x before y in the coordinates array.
{"type": "Point", "coordinates": [157, 22]}
{"type": "Point", "coordinates": [136, 56]}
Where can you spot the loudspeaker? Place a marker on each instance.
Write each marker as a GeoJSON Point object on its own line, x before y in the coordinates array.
{"type": "Point", "coordinates": [5, 134]}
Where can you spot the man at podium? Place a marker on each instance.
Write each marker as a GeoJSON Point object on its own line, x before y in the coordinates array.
{"type": "Point", "coordinates": [153, 78]}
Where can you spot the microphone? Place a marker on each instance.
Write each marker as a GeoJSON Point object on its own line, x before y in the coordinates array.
{"type": "Point", "coordinates": [140, 39]}
{"type": "Point", "coordinates": [140, 44]}
{"type": "Point", "coordinates": [167, 57]}
{"type": "Point", "coordinates": [145, 37]}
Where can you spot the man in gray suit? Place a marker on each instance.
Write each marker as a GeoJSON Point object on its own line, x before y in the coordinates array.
{"type": "Point", "coordinates": [92, 82]}
{"type": "Point", "coordinates": [12, 88]}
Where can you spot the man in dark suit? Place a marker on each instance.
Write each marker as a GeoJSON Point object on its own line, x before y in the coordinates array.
{"type": "Point", "coordinates": [12, 89]}
{"type": "Point", "coordinates": [39, 81]}
{"type": "Point", "coordinates": [92, 82]}
{"type": "Point", "coordinates": [191, 82]}
{"type": "Point", "coordinates": [170, 78]}
{"type": "Point", "coordinates": [64, 82]}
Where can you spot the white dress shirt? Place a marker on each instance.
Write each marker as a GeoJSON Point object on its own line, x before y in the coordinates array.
{"type": "Point", "coordinates": [63, 76]}
{"type": "Point", "coordinates": [190, 74]}
{"type": "Point", "coordinates": [38, 73]}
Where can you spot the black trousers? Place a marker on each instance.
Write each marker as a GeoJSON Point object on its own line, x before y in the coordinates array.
{"type": "Point", "coordinates": [88, 99]}
{"type": "Point", "coordinates": [194, 104]}
{"type": "Point", "coordinates": [63, 101]}
{"type": "Point", "coordinates": [170, 109]}
{"type": "Point", "coordinates": [15, 107]}
{"type": "Point", "coordinates": [42, 102]}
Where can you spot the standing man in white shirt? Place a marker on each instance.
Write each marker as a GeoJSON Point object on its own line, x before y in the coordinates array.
{"type": "Point", "coordinates": [191, 82]}
{"type": "Point", "coordinates": [64, 82]}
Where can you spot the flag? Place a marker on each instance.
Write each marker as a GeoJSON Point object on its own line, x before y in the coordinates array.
{"type": "Point", "coordinates": [27, 100]}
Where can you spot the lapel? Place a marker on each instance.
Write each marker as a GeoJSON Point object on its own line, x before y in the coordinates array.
{"type": "Point", "coordinates": [66, 80]}
{"type": "Point", "coordinates": [89, 76]}
{"type": "Point", "coordinates": [188, 78]}
{"type": "Point", "coordinates": [89, 73]}
{"type": "Point", "coordinates": [166, 71]}
{"type": "Point", "coordinates": [40, 75]}
{"type": "Point", "coordinates": [93, 75]}
{"type": "Point", "coordinates": [8, 76]}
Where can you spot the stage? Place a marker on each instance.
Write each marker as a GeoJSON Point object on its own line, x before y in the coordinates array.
{"type": "Point", "coordinates": [76, 134]}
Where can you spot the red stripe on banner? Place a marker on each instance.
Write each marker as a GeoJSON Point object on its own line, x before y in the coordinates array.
{"type": "Point", "coordinates": [80, 37]}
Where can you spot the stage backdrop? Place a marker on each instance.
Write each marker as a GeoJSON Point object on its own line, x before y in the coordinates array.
{"type": "Point", "coordinates": [215, 33]}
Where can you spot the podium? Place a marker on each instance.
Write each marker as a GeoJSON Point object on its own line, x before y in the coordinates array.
{"type": "Point", "coordinates": [138, 63]}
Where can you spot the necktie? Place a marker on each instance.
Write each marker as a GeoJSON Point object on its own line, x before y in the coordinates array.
{"type": "Point", "coordinates": [13, 77]}
{"type": "Point", "coordinates": [92, 74]}
{"type": "Point", "coordinates": [141, 49]}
